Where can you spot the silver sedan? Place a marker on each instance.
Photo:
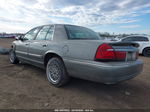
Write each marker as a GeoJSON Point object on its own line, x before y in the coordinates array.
{"type": "Point", "coordinates": [73, 51]}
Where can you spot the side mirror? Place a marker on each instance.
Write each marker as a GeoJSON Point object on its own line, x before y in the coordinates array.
{"type": "Point", "coordinates": [19, 38]}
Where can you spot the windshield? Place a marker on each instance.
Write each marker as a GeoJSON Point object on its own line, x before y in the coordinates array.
{"type": "Point", "coordinates": [78, 32]}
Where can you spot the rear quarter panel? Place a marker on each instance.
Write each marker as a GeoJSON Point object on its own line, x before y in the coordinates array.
{"type": "Point", "coordinates": [81, 49]}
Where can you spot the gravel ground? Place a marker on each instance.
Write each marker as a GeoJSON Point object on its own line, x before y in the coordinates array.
{"type": "Point", "coordinates": [24, 86]}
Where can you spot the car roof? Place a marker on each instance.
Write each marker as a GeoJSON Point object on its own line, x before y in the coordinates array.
{"type": "Point", "coordinates": [58, 25]}
{"type": "Point", "coordinates": [144, 35]}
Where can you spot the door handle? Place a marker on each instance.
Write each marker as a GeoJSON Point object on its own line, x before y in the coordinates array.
{"type": "Point", "coordinates": [27, 44]}
{"type": "Point", "coordinates": [45, 45]}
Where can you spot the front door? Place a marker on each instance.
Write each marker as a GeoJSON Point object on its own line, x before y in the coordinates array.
{"type": "Point", "coordinates": [22, 46]}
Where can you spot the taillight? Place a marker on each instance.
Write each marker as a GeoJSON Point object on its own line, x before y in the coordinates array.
{"type": "Point", "coordinates": [106, 52]}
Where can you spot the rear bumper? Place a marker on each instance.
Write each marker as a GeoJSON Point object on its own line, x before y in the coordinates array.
{"type": "Point", "coordinates": [108, 73]}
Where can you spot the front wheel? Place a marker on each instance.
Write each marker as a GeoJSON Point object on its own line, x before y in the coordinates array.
{"type": "Point", "coordinates": [146, 52]}
{"type": "Point", "coordinates": [12, 57]}
{"type": "Point", "coordinates": [56, 72]}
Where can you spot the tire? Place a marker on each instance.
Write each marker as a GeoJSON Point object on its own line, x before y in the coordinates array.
{"type": "Point", "coordinates": [146, 52]}
{"type": "Point", "coordinates": [56, 72]}
{"type": "Point", "coordinates": [12, 57]}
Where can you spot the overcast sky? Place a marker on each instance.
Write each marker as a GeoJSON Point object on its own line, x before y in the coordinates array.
{"type": "Point", "coordinates": [119, 16]}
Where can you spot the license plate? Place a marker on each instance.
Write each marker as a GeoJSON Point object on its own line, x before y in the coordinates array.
{"type": "Point", "coordinates": [131, 56]}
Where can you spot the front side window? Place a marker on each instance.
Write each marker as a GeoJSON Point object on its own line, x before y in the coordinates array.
{"type": "Point", "coordinates": [43, 32]}
{"type": "Point", "coordinates": [78, 32]}
{"type": "Point", "coordinates": [31, 34]}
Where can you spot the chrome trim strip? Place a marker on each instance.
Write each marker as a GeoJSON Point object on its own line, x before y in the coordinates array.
{"type": "Point", "coordinates": [35, 55]}
{"type": "Point", "coordinates": [31, 60]}
{"type": "Point", "coordinates": [126, 50]}
{"type": "Point", "coordinates": [30, 54]}
{"type": "Point", "coordinates": [99, 64]}
{"type": "Point", "coordinates": [21, 52]}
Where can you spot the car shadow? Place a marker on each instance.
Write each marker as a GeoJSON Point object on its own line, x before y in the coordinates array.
{"type": "Point", "coordinates": [95, 86]}
{"type": "Point", "coordinates": [90, 87]}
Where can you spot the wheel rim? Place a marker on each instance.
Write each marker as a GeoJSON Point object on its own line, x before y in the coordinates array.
{"type": "Point", "coordinates": [12, 56]}
{"type": "Point", "coordinates": [54, 71]}
{"type": "Point", "coordinates": [147, 51]}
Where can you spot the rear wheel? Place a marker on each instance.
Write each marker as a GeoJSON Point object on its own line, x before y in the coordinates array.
{"type": "Point", "coordinates": [12, 57]}
{"type": "Point", "coordinates": [146, 52]}
{"type": "Point", "coordinates": [56, 72]}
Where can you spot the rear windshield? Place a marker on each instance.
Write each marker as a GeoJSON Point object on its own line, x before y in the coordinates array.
{"type": "Point", "coordinates": [78, 32]}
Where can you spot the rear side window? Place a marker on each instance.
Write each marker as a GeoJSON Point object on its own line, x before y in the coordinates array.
{"type": "Point", "coordinates": [43, 33]}
{"type": "Point", "coordinates": [78, 32]}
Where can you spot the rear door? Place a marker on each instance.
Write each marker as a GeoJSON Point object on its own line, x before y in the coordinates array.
{"type": "Point", "coordinates": [40, 44]}
{"type": "Point", "coordinates": [22, 46]}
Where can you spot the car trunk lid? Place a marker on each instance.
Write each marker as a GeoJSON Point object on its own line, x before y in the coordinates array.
{"type": "Point", "coordinates": [117, 51]}
{"type": "Point", "coordinates": [130, 48]}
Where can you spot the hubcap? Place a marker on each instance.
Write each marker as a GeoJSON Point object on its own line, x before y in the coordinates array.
{"type": "Point", "coordinates": [54, 71]}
